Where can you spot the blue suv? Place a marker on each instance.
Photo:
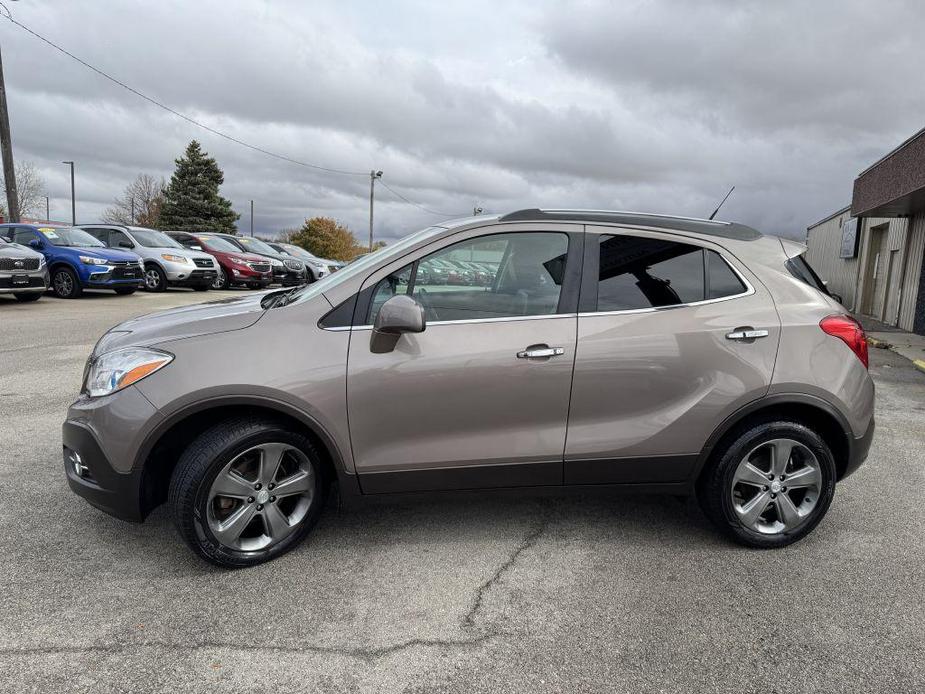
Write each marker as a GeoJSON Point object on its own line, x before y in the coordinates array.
{"type": "Point", "coordinates": [77, 261]}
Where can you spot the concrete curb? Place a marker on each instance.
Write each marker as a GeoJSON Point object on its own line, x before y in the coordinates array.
{"type": "Point", "coordinates": [919, 364]}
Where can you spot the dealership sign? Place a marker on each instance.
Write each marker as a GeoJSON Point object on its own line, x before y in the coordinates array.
{"type": "Point", "coordinates": [849, 238]}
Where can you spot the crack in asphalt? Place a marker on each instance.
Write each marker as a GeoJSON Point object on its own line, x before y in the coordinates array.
{"type": "Point", "coordinates": [360, 653]}
{"type": "Point", "coordinates": [529, 541]}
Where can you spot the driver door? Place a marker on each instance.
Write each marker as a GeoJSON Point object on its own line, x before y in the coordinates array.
{"type": "Point", "coordinates": [467, 403]}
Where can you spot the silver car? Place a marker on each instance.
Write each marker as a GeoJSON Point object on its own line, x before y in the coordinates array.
{"type": "Point", "coordinates": [23, 272]}
{"type": "Point", "coordinates": [167, 263]}
{"type": "Point", "coordinates": [657, 354]}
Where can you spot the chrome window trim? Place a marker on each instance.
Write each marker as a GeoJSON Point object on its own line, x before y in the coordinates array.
{"type": "Point", "coordinates": [467, 321]}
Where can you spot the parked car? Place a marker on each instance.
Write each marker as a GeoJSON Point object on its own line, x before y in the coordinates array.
{"type": "Point", "coordinates": [235, 266]}
{"type": "Point", "coordinates": [663, 354]}
{"type": "Point", "coordinates": [287, 271]}
{"type": "Point", "coordinates": [315, 267]}
{"type": "Point", "coordinates": [77, 261]}
{"type": "Point", "coordinates": [166, 262]}
{"type": "Point", "coordinates": [23, 272]}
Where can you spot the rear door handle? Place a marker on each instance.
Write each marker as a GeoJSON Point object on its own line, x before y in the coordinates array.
{"type": "Point", "coordinates": [746, 334]}
{"type": "Point", "coordinates": [540, 352]}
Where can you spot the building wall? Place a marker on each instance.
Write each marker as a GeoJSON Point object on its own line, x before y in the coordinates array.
{"type": "Point", "coordinates": [823, 243]}
{"type": "Point", "coordinates": [881, 276]}
{"type": "Point", "coordinates": [912, 309]}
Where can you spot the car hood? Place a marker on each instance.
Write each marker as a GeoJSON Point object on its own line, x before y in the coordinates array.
{"type": "Point", "coordinates": [104, 253]}
{"type": "Point", "coordinates": [248, 257]}
{"type": "Point", "coordinates": [224, 315]}
{"type": "Point", "coordinates": [15, 250]}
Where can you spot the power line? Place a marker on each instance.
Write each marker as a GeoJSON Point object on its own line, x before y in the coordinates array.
{"type": "Point", "coordinates": [420, 207]}
{"type": "Point", "coordinates": [188, 119]}
{"type": "Point", "coordinates": [8, 15]}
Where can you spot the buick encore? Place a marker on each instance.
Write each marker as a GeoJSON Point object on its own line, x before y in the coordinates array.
{"type": "Point", "coordinates": [652, 353]}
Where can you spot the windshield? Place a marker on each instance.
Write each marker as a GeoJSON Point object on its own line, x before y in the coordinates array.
{"type": "Point", "coordinates": [361, 266]}
{"type": "Point", "coordinates": [73, 238]}
{"type": "Point", "coordinates": [154, 239]}
{"type": "Point", "coordinates": [217, 243]}
{"type": "Point", "coordinates": [297, 251]}
{"type": "Point", "coordinates": [256, 245]}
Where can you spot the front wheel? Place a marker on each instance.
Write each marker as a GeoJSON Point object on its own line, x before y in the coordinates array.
{"type": "Point", "coordinates": [65, 284]}
{"type": "Point", "coordinates": [222, 280]}
{"type": "Point", "coordinates": [770, 485]}
{"type": "Point", "coordinates": [246, 491]}
{"type": "Point", "coordinates": [155, 279]}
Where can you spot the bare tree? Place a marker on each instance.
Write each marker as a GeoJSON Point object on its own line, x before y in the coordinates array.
{"type": "Point", "coordinates": [140, 203]}
{"type": "Point", "coordinates": [30, 189]}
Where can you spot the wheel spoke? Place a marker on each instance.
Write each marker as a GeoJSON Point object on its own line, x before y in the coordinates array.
{"type": "Point", "coordinates": [231, 484]}
{"type": "Point", "coordinates": [271, 455]}
{"type": "Point", "coordinates": [804, 477]}
{"type": "Point", "coordinates": [786, 511]}
{"type": "Point", "coordinates": [753, 508]}
{"type": "Point", "coordinates": [228, 531]}
{"type": "Point", "coordinates": [298, 483]}
{"type": "Point", "coordinates": [749, 474]}
{"type": "Point", "coordinates": [780, 455]}
{"type": "Point", "coordinates": [275, 522]}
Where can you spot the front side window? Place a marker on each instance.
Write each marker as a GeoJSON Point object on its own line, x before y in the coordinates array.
{"type": "Point", "coordinates": [639, 272]}
{"type": "Point", "coordinates": [497, 276]}
{"type": "Point", "coordinates": [23, 236]}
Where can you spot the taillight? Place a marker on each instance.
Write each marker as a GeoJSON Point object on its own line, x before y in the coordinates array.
{"type": "Point", "coordinates": [849, 331]}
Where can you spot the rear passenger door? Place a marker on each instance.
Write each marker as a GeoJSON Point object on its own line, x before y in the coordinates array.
{"type": "Point", "coordinates": [659, 364]}
{"type": "Point", "coordinates": [480, 398]}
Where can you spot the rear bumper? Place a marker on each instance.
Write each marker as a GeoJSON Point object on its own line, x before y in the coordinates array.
{"type": "Point", "coordinates": [859, 449]}
{"type": "Point", "coordinates": [115, 493]}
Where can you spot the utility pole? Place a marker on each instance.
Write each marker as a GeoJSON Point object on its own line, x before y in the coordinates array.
{"type": "Point", "coordinates": [47, 210]}
{"type": "Point", "coordinates": [373, 175]}
{"type": "Point", "coordinates": [133, 207]}
{"type": "Point", "coordinates": [252, 218]}
{"type": "Point", "coordinates": [73, 198]}
{"type": "Point", "coordinates": [6, 145]}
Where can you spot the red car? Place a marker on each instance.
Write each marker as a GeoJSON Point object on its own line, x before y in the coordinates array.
{"type": "Point", "coordinates": [237, 267]}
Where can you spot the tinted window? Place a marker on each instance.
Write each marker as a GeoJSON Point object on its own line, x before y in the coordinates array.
{"type": "Point", "coordinates": [799, 268]}
{"type": "Point", "coordinates": [23, 236]}
{"type": "Point", "coordinates": [637, 272]}
{"type": "Point", "coordinates": [721, 280]}
{"type": "Point", "coordinates": [101, 235]}
{"type": "Point", "coordinates": [497, 276]}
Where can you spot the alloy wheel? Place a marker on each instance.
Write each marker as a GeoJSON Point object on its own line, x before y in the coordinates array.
{"type": "Point", "coordinates": [260, 497]}
{"type": "Point", "coordinates": [776, 486]}
{"type": "Point", "coordinates": [63, 283]}
{"type": "Point", "coordinates": [152, 279]}
{"type": "Point", "coordinates": [219, 281]}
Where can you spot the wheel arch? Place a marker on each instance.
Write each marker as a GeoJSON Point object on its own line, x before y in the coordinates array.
{"type": "Point", "coordinates": [815, 412]}
{"type": "Point", "coordinates": [157, 456]}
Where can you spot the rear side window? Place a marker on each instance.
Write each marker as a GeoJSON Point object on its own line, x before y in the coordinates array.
{"type": "Point", "coordinates": [638, 272]}
{"type": "Point", "coordinates": [799, 268]}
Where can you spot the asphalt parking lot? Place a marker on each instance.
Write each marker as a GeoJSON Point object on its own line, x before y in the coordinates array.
{"type": "Point", "coordinates": [470, 593]}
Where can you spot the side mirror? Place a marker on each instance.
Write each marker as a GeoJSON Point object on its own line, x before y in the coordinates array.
{"type": "Point", "coordinates": [36, 244]}
{"type": "Point", "coordinates": [126, 244]}
{"type": "Point", "coordinates": [400, 314]}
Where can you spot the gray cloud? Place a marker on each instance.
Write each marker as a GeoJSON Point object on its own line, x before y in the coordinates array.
{"type": "Point", "coordinates": [652, 106]}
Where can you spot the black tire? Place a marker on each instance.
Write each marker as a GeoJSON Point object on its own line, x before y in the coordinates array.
{"type": "Point", "coordinates": [222, 280]}
{"type": "Point", "coordinates": [28, 296]}
{"type": "Point", "coordinates": [714, 491]}
{"type": "Point", "coordinates": [65, 284]}
{"type": "Point", "coordinates": [201, 287]}
{"type": "Point", "coordinates": [125, 291]}
{"type": "Point", "coordinates": [205, 458]}
{"type": "Point", "coordinates": [155, 279]}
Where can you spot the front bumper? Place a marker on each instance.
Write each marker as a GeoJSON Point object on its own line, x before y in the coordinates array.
{"type": "Point", "coordinates": [114, 276]}
{"type": "Point", "coordinates": [115, 493]}
{"type": "Point", "coordinates": [192, 278]}
{"type": "Point", "coordinates": [29, 282]}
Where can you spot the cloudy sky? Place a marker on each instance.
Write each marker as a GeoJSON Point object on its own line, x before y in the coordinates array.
{"type": "Point", "coordinates": [640, 105]}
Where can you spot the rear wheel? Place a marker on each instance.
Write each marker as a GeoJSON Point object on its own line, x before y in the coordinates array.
{"type": "Point", "coordinates": [30, 296]}
{"type": "Point", "coordinates": [770, 485]}
{"type": "Point", "coordinates": [246, 491]}
{"type": "Point", "coordinates": [155, 279]}
{"type": "Point", "coordinates": [64, 283]}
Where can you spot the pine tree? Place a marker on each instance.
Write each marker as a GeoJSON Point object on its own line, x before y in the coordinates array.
{"type": "Point", "coordinates": [192, 202]}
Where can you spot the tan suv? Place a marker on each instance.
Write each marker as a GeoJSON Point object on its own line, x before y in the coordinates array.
{"type": "Point", "coordinates": [583, 348]}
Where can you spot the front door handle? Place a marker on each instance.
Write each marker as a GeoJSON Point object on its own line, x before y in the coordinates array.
{"type": "Point", "coordinates": [746, 334]}
{"type": "Point", "coordinates": [540, 352]}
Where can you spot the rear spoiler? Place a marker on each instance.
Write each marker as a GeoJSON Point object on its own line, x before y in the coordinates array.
{"type": "Point", "coordinates": [792, 249]}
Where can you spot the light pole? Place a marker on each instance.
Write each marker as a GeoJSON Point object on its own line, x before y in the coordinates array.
{"type": "Point", "coordinates": [252, 218]}
{"type": "Point", "coordinates": [6, 150]}
{"type": "Point", "coordinates": [73, 199]}
{"type": "Point", "coordinates": [47, 210]}
{"type": "Point", "coordinates": [373, 175]}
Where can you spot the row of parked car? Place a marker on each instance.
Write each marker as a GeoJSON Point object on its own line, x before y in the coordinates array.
{"type": "Point", "coordinates": [34, 258]}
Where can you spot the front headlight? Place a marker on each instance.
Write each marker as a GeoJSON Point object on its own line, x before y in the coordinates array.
{"type": "Point", "coordinates": [41, 262]}
{"type": "Point", "coordinates": [276, 263]}
{"type": "Point", "coordinates": [90, 260]}
{"type": "Point", "coordinates": [176, 259]}
{"type": "Point", "coordinates": [239, 261]}
{"type": "Point", "coordinates": [113, 371]}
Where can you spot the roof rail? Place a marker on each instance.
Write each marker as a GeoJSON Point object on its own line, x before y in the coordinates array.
{"type": "Point", "coordinates": [730, 230]}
